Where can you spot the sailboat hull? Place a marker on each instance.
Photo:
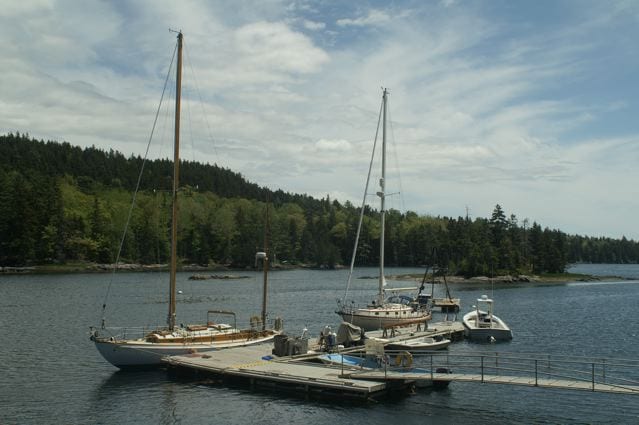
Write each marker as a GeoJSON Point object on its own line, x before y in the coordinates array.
{"type": "Point", "coordinates": [130, 354]}
{"type": "Point", "coordinates": [371, 319]}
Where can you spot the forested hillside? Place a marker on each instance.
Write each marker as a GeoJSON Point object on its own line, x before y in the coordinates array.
{"type": "Point", "coordinates": [61, 203]}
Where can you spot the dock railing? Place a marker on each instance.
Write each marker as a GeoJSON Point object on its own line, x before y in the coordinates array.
{"type": "Point", "coordinates": [621, 373]}
{"type": "Point", "coordinates": [533, 369]}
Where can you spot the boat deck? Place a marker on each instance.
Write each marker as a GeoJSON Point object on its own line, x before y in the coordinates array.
{"type": "Point", "coordinates": [446, 329]}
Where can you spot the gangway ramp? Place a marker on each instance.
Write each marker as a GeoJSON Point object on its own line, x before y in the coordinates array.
{"type": "Point", "coordinates": [619, 376]}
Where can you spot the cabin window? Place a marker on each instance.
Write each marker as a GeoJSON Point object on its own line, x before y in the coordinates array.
{"type": "Point", "coordinates": [376, 314]}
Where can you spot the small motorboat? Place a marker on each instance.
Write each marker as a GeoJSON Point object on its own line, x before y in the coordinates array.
{"type": "Point", "coordinates": [420, 344]}
{"type": "Point", "coordinates": [344, 360]}
{"type": "Point", "coordinates": [483, 326]}
{"type": "Point", "coordinates": [403, 364]}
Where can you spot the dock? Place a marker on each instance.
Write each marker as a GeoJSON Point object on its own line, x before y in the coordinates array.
{"type": "Point", "coordinates": [304, 375]}
{"type": "Point", "coordinates": [259, 368]}
{"type": "Point", "coordinates": [252, 365]}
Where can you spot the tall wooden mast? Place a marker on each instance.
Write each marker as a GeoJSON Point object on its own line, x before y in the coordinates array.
{"type": "Point", "coordinates": [265, 263]}
{"type": "Point", "coordinates": [176, 182]}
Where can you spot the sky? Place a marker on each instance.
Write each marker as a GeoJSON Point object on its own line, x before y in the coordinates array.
{"type": "Point", "coordinates": [530, 105]}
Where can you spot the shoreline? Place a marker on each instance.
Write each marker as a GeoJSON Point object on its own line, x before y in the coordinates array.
{"type": "Point", "coordinates": [72, 268]}
{"type": "Point", "coordinates": [518, 280]}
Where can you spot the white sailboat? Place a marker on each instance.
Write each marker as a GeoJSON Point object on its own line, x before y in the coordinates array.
{"type": "Point", "coordinates": [383, 313]}
{"type": "Point", "coordinates": [122, 350]}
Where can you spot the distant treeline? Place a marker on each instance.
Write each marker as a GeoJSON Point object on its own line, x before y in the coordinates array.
{"type": "Point", "coordinates": [60, 203]}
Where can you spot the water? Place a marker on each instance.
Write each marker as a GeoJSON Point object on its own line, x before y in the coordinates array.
{"type": "Point", "coordinates": [51, 372]}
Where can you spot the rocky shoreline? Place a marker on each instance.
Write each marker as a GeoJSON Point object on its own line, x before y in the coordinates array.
{"type": "Point", "coordinates": [200, 275]}
{"type": "Point", "coordinates": [128, 267]}
{"type": "Point", "coordinates": [513, 279]}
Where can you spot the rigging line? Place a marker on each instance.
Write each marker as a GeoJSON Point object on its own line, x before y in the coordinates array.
{"type": "Point", "coordinates": [199, 95]}
{"type": "Point", "coordinates": [396, 157]}
{"type": "Point", "coordinates": [160, 192]}
{"type": "Point", "coordinates": [168, 121]}
{"type": "Point", "coordinates": [188, 109]}
{"type": "Point", "coordinates": [190, 121]}
{"type": "Point", "coordinates": [361, 214]}
{"type": "Point", "coordinates": [189, 116]}
{"type": "Point", "coordinates": [137, 187]}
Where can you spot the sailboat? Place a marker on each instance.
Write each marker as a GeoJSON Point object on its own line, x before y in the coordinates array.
{"type": "Point", "coordinates": [148, 350]}
{"type": "Point", "coordinates": [382, 312]}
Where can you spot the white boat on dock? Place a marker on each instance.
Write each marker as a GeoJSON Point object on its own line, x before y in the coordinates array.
{"type": "Point", "coordinates": [422, 344]}
{"type": "Point", "coordinates": [483, 326]}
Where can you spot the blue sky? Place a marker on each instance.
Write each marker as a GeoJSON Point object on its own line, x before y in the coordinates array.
{"type": "Point", "coordinates": [530, 105]}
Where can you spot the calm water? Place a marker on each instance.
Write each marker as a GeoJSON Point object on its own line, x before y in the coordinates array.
{"type": "Point", "coordinates": [51, 372]}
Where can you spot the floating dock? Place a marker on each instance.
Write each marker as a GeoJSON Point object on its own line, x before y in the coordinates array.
{"type": "Point", "coordinates": [252, 365]}
{"type": "Point", "coordinates": [256, 366]}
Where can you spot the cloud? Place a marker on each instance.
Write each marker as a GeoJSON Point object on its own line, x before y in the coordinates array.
{"type": "Point", "coordinates": [487, 105]}
{"type": "Point", "coordinates": [333, 145]}
{"type": "Point", "coordinates": [313, 26]}
{"type": "Point", "coordinates": [275, 46]}
{"type": "Point", "coordinates": [373, 17]}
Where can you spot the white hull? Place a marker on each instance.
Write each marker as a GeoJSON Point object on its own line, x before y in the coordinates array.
{"type": "Point", "coordinates": [371, 319]}
{"type": "Point", "coordinates": [420, 344]}
{"type": "Point", "coordinates": [485, 331]}
{"type": "Point", "coordinates": [140, 353]}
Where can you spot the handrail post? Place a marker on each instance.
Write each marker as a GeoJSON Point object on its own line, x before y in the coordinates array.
{"type": "Point", "coordinates": [431, 366]}
{"type": "Point", "coordinates": [482, 369]}
{"type": "Point", "coordinates": [536, 382]}
{"type": "Point", "coordinates": [386, 362]}
{"type": "Point", "coordinates": [593, 376]}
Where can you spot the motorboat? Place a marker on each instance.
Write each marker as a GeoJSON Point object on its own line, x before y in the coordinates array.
{"type": "Point", "coordinates": [481, 325]}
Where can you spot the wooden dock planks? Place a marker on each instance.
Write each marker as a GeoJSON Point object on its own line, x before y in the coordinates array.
{"type": "Point", "coordinates": [248, 362]}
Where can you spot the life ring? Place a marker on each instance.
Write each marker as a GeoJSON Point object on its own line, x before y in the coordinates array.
{"type": "Point", "coordinates": [404, 359]}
